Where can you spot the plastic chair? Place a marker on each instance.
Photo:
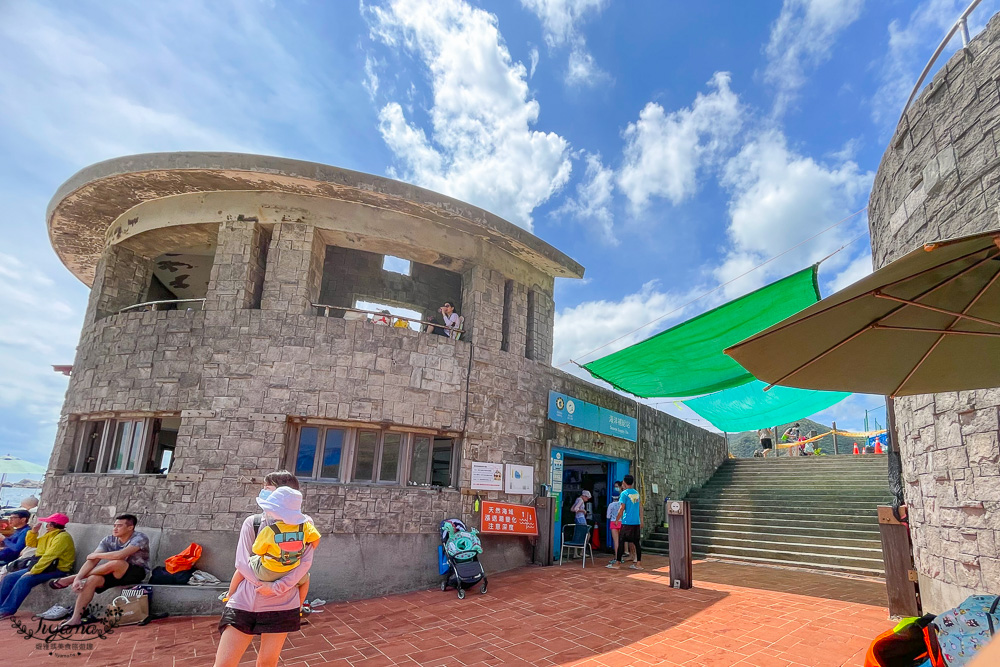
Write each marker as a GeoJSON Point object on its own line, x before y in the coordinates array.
{"type": "Point", "coordinates": [578, 540]}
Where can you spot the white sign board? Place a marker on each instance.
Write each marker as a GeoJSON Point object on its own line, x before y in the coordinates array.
{"type": "Point", "coordinates": [519, 480]}
{"type": "Point", "coordinates": [656, 489]}
{"type": "Point", "coordinates": [556, 473]}
{"type": "Point", "coordinates": [487, 476]}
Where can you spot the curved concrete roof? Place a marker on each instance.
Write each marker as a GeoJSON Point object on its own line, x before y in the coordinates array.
{"type": "Point", "coordinates": [84, 207]}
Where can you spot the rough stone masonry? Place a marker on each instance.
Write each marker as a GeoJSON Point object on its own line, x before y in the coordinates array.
{"type": "Point", "coordinates": [256, 360]}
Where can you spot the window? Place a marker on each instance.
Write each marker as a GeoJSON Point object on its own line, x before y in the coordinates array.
{"type": "Point", "coordinates": [371, 456]}
{"type": "Point", "coordinates": [319, 452]}
{"type": "Point", "coordinates": [396, 265]}
{"type": "Point", "coordinates": [432, 461]}
{"type": "Point", "coordinates": [125, 446]}
{"type": "Point", "coordinates": [508, 296]}
{"type": "Point", "coordinates": [128, 441]}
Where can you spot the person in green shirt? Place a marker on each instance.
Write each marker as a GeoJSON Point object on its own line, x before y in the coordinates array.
{"type": "Point", "coordinates": [56, 554]}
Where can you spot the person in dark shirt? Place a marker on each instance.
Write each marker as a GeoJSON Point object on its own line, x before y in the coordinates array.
{"type": "Point", "coordinates": [13, 544]}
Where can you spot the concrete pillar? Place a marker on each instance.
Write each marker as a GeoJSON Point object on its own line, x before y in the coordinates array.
{"type": "Point", "coordinates": [482, 307]}
{"type": "Point", "coordinates": [294, 268]}
{"type": "Point", "coordinates": [237, 278]}
{"type": "Point", "coordinates": [515, 330]}
{"type": "Point", "coordinates": [541, 320]}
{"type": "Point", "coordinates": [121, 279]}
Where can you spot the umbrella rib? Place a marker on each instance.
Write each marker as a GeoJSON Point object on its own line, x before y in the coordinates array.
{"type": "Point", "coordinates": [962, 315]}
{"type": "Point", "coordinates": [989, 334]}
{"type": "Point", "coordinates": [950, 327]}
{"type": "Point", "coordinates": [873, 324]}
{"type": "Point", "coordinates": [787, 323]}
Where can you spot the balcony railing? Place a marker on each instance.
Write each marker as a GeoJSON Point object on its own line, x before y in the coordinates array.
{"type": "Point", "coordinates": [378, 317]}
{"type": "Point", "coordinates": [157, 305]}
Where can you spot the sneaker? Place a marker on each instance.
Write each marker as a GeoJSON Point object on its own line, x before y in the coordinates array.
{"type": "Point", "coordinates": [612, 561]}
{"type": "Point", "coordinates": [224, 596]}
{"type": "Point", "coordinates": [318, 602]}
{"type": "Point", "coordinates": [635, 566]}
{"type": "Point", "coordinates": [55, 613]}
{"type": "Point", "coordinates": [612, 565]}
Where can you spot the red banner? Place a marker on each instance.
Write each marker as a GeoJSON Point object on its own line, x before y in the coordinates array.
{"type": "Point", "coordinates": [508, 519]}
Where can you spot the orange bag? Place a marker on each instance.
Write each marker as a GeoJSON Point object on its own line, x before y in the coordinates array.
{"type": "Point", "coordinates": [185, 560]}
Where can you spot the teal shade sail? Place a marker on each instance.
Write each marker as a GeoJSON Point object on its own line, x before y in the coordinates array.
{"type": "Point", "coordinates": [749, 407]}
{"type": "Point", "coordinates": [688, 359]}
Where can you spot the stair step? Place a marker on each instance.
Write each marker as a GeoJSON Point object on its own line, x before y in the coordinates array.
{"type": "Point", "coordinates": [798, 531]}
{"type": "Point", "coordinates": [857, 549]}
{"type": "Point", "coordinates": [816, 556]}
{"type": "Point", "coordinates": [867, 571]}
{"type": "Point", "coordinates": [818, 514]}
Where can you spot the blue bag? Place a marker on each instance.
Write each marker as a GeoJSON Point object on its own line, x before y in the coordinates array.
{"type": "Point", "coordinates": [443, 566]}
{"type": "Point", "coordinates": [963, 631]}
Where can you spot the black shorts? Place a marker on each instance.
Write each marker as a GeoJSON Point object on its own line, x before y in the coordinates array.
{"type": "Point", "coordinates": [261, 622]}
{"type": "Point", "coordinates": [765, 443]}
{"type": "Point", "coordinates": [133, 575]}
{"type": "Point", "coordinates": [629, 533]}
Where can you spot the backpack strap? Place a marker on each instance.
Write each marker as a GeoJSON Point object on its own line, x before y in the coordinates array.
{"type": "Point", "coordinates": [992, 612]}
{"type": "Point", "coordinates": [257, 520]}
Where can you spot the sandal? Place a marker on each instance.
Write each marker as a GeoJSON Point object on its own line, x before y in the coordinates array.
{"type": "Point", "coordinates": [56, 586]}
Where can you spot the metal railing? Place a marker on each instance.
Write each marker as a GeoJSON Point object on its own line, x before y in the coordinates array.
{"type": "Point", "coordinates": [376, 313]}
{"type": "Point", "coordinates": [152, 305]}
{"type": "Point", "coordinates": [960, 25]}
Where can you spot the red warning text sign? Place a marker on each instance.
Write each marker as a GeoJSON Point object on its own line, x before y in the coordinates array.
{"type": "Point", "coordinates": [507, 519]}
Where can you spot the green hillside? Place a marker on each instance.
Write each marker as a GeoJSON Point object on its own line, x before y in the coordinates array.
{"type": "Point", "coordinates": [743, 445]}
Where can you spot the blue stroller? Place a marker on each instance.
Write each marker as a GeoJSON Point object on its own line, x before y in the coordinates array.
{"type": "Point", "coordinates": [459, 551]}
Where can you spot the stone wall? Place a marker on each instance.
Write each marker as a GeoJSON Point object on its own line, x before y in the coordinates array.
{"type": "Point", "coordinates": [350, 274]}
{"type": "Point", "coordinates": [940, 179]}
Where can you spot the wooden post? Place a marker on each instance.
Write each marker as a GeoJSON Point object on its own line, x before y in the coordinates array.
{"type": "Point", "coordinates": [543, 544]}
{"type": "Point", "coordinates": [897, 552]}
{"type": "Point", "coordinates": [835, 450]}
{"type": "Point", "coordinates": [679, 543]}
{"type": "Point", "coordinates": [777, 450]}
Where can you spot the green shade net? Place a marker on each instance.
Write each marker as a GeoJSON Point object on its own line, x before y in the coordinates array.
{"type": "Point", "coordinates": [749, 407]}
{"type": "Point", "coordinates": [688, 359]}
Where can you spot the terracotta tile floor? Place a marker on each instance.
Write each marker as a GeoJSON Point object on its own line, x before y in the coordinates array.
{"type": "Point", "coordinates": [735, 615]}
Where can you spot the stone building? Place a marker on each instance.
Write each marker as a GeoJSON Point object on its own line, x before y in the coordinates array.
{"type": "Point", "coordinates": [252, 360]}
{"type": "Point", "coordinates": [940, 178]}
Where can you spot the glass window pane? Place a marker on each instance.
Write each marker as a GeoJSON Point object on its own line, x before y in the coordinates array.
{"type": "Point", "coordinates": [389, 470]}
{"type": "Point", "coordinates": [123, 434]}
{"type": "Point", "coordinates": [441, 462]}
{"type": "Point", "coordinates": [332, 449]}
{"type": "Point", "coordinates": [308, 435]}
{"type": "Point", "coordinates": [137, 433]}
{"type": "Point", "coordinates": [364, 459]}
{"type": "Point", "coordinates": [420, 460]}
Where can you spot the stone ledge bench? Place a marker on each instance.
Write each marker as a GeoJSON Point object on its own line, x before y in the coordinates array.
{"type": "Point", "coordinates": [175, 600]}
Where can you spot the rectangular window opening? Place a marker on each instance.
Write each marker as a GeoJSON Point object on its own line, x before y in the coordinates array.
{"type": "Point", "coordinates": [386, 315]}
{"type": "Point", "coordinates": [529, 347]}
{"type": "Point", "coordinates": [396, 265]}
{"type": "Point", "coordinates": [369, 456]}
{"type": "Point", "coordinates": [508, 296]}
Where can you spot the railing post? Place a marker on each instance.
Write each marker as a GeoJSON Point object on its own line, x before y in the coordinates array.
{"type": "Point", "coordinates": [835, 450]}
{"type": "Point", "coordinates": [963, 25]}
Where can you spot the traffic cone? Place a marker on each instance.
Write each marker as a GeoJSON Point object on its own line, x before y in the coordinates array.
{"type": "Point", "coordinates": [878, 446]}
{"type": "Point", "coordinates": [856, 449]}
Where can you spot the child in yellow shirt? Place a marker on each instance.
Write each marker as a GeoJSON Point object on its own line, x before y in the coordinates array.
{"type": "Point", "coordinates": [279, 545]}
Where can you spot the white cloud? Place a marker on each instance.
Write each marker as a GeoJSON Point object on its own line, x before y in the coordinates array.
{"type": "Point", "coordinates": [781, 198]}
{"type": "Point", "coordinates": [39, 328]}
{"type": "Point", "coordinates": [857, 269]}
{"type": "Point", "coordinates": [580, 329]}
{"type": "Point", "coordinates": [802, 37]}
{"type": "Point", "coordinates": [561, 21]}
{"type": "Point", "coordinates": [664, 151]}
{"type": "Point", "coordinates": [592, 203]}
{"type": "Point", "coordinates": [481, 147]}
{"type": "Point", "coordinates": [533, 55]}
{"type": "Point", "coordinates": [911, 45]}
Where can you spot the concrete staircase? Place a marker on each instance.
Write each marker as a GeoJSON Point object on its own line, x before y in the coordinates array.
{"type": "Point", "coordinates": [811, 512]}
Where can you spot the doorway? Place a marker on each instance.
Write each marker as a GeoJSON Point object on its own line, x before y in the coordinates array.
{"type": "Point", "coordinates": [591, 472]}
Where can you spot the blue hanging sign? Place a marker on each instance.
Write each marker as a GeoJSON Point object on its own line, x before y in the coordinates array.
{"type": "Point", "coordinates": [568, 410]}
{"type": "Point", "coordinates": [574, 412]}
{"type": "Point", "coordinates": [618, 425]}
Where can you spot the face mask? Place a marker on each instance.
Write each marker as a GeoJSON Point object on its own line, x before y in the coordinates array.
{"type": "Point", "coordinates": [264, 493]}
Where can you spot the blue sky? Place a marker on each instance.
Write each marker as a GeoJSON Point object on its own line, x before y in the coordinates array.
{"type": "Point", "coordinates": [667, 146]}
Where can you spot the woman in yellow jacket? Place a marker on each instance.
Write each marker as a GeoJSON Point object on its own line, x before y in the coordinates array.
{"type": "Point", "coordinates": [56, 554]}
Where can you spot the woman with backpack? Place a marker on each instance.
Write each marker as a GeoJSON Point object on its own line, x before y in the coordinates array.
{"type": "Point", "coordinates": [268, 609]}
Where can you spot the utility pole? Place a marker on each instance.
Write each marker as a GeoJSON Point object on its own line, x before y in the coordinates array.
{"type": "Point", "coordinates": [835, 450]}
